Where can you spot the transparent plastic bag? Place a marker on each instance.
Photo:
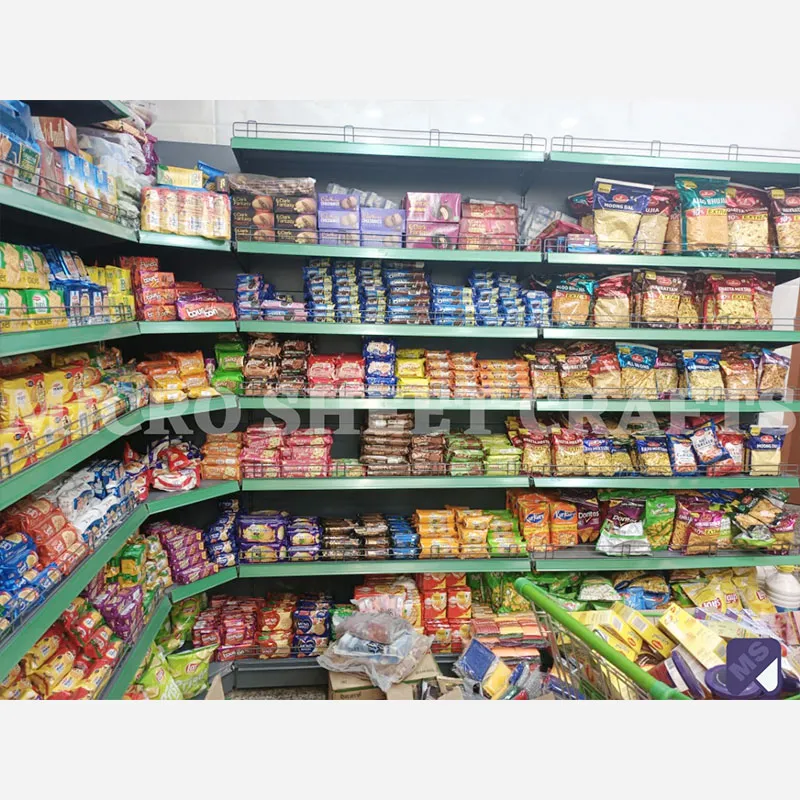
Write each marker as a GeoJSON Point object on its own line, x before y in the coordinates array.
{"type": "Point", "coordinates": [381, 628]}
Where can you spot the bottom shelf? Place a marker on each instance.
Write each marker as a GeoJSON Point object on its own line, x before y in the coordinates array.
{"type": "Point", "coordinates": [278, 673]}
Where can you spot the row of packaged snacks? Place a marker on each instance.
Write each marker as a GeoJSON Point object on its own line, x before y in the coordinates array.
{"type": "Point", "coordinates": [638, 522]}
{"type": "Point", "coordinates": [702, 214]}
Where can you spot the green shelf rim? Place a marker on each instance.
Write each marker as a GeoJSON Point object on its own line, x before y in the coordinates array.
{"type": "Point", "coordinates": [667, 162]}
{"type": "Point", "coordinates": [158, 502]}
{"type": "Point", "coordinates": [325, 147]}
{"type": "Point", "coordinates": [658, 562]}
{"type": "Point", "coordinates": [179, 592]}
{"type": "Point", "coordinates": [188, 242]}
{"type": "Point", "coordinates": [122, 677]}
{"type": "Point", "coordinates": [430, 331]}
{"type": "Point", "coordinates": [335, 484]}
{"type": "Point", "coordinates": [687, 336]}
{"type": "Point", "coordinates": [672, 261]}
{"type": "Point", "coordinates": [295, 569]}
{"type": "Point", "coordinates": [187, 407]}
{"type": "Point", "coordinates": [16, 198]}
{"type": "Point", "coordinates": [696, 482]}
{"type": "Point", "coordinates": [29, 341]}
{"type": "Point", "coordinates": [688, 406]}
{"type": "Point", "coordinates": [35, 476]}
{"type": "Point", "coordinates": [360, 403]}
{"type": "Point", "coordinates": [14, 647]}
{"type": "Point", "coordinates": [392, 253]}
{"type": "Point", "coordinates": [148, 328]}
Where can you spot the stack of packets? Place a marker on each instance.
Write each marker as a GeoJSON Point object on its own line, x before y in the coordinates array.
{"type": "Point", "coordinates": [185, 211]}
{"type": "Point", "coordinates": [338, 219]}
{"type": "Point", "coordinates": [72, 660]}
{"type": "Point", "coordinates": [43, 409]}
{"type": "Point", "coordinates": [382, 222]}
{"type": "Point", "coordinates": [404, 539]}
{"type": "Point", "coordinates": [407, 293]}
{"type": "Point", "coordinates": [229, 624]}
{"type": "Point", "coordinates": [262, 365]}
{"type": "Point", "coordinates": [469, 533]}
{"type": "Point", "coordinates": [154, 290]}
{"type": "Point", "coordinates": [220, 536]}
{"type": "Point", "coordinates": [269, 536]}
{"type": "Point", "coordinates": [427, 454]}
{"type": "Point", "coordinates": [512, 636]}
{"type": "Point", "coordinates": [497, 299]}
{"type": "Point", "coordinates": [228, 375]}
{"type": "Point", "coordinates": [141, 565]}
{"type": "Point", "coordinates": [306, 453]}
{"type": "Point", "coordinates": [446, 609]}
{"type": "Point", "coordinates": [293, 367]}
{"type": "Point", "coordinates": [432, 220]}
{"type": "Point", "coordinates": [174, 377]}
{"type": "Point", "coordinates": [188, 559]}
{"type": "Point", "coordinates": [373, 533]}
{"type": "Point", "coordinates": [379, 367]}
{"type": "Point", "coordinates": [410, 372]}
{"type": "Point", "coordinates": [121, 302]}
{"type": "Point", "coordinates": [256, 298]}
{"type": "Point", "coordinates": [505, 378]}
{"type": "Point", "coordinates": [261, 455]}
{"type": "Point", "coordinates": [371, 293]}
{"type": "Point", "coordinates": [398, 595]}
{"type": "Point", "coordinates": [221, 456]}
{"type": "Point", "coordinates": [335, 376]}
{"type": "Point", "coordinates": [385, 444]}
{"type": "Point", "coordinates": [318, 291]}
{"type": "Point", "coordinates": [339, 539]}
{"type": "Point", "coordinates": [452, 305]}
{"type": "Point", "coordinates": [488, 225]}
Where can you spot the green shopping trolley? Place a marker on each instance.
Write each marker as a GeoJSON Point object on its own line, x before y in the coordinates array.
{"type": "Point", "coordinates": [586, 666]}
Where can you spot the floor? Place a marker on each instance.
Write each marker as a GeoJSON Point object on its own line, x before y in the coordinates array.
{"type": "Point", "coordinates": [291, 693]}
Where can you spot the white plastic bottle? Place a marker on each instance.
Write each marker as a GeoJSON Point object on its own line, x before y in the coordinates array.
{"type": "Point", "coordinates": [763, 573]}
{"type": "Point", "coordinates": [783, 589]}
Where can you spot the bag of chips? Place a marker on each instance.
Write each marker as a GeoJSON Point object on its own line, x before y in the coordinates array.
{"type": "Point", "coordinates": [618, 208]}
{"type": "Point", "coordinates": [785, 213]}
{"type": "Point", "coordinates": [653, 224]}
{"type": "Point", "coordinates": [704, 213]}
{"type": "Point", "coordinates": [748, 220]}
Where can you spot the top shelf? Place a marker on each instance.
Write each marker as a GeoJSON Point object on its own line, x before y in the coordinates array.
{"type": "Point", "coordinates": [80, 112]}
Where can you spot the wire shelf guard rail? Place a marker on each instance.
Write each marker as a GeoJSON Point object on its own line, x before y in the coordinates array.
{"type": "Point", "coordinates": [655, 148]}
{"type": "Point", "coordinates": [433, 137]}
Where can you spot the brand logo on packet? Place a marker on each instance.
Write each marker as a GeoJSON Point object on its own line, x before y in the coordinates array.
{"type": "Point", "coordinates": [792, 200]}
{"type": "Point", "coordinates": [620, 198]}
{"type": "Point", "coordinates": [753, 661]}
{"type": "Point", "coordinates": [706, 193]}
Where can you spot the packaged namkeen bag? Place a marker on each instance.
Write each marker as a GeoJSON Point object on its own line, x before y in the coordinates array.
{"type": "Point", "coordinates": [612, 303]}
{"type": "Point", "coordinates": [729, 301]}
{"type": "Point", "coordinates": [703, 374]}
{"type": "Point", "coordinates": [785, 213]}
{"type": "Point", "coordinates": [774, 372]}
{"type": "Point", "coordinates": [657, 297]}
{"type": "Point", "coordinates": [654, 222]}
{"type": "Point", "coordinates": [748, 220]}
{"type": "Point", "coordinates": [618, 208]}
{"type": "Point", "coordinates": [704, 212]}
{"type": "Point", "coordinates": [581, 207]}
{"type": "Point", "coordinates": [673, 243]}
{"type": "Point", "coordinates": [572, 300]}
{"type": "Point", "coordinates": [764, 449]}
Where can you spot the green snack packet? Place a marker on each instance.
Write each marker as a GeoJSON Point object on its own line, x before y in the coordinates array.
{"type": "Point", "coordinates": [158, 684]}
{"type": "Point", "coordinates": [659, 516]}
{"type": "Point", "coordinates": [189, 670]}
{"type": "Point", "coordinates": [228, 381]}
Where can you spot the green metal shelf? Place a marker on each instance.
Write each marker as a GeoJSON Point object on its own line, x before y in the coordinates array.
{"type": "Point", "coordinates": [35, 476]}
{"type": "Point", "coordinates": [697, 482]}
{"type": "Point", "coordinates": [294, 569]}
{"type": "Point", "coordinates": [123, 675]}
{"type": "Point", "coordinates": [716, 164]}
{"type": "Point", "coordinates": [31, 341]}
{"type": "Point", "coordinates": [357, 403]}
{"type": "Point", "coordinates": [187, 327]}
{"type": "Point", "coordinates": [187, 407]}
{"type": "Point", "coordinates": [337, 484]}
{"type": "Point", "coordinates": [15, 198]}
{"type": "Point", "coordinates": [181, 592]}
{"type": "Point", "coordinates": [394, 253]}
{"type": "Point", "coordinates": [159, 502]}
{"type": "Point", "coordinates": [323, 147]}
{"type": "Point", "coordinates": [658, 561]}
{"type": "Point", "coordinates": [671, 262]}
{"type": "Point", "coordinates": [687, 337]}
{"type": "Point", "coordinates": [189, 242]}
{"type": "Point", "coordinates": [429, 331]}
{"type": "Point", "coordinates": [688, 406]}
{"type": "Point", "coordinates": [14, 647]}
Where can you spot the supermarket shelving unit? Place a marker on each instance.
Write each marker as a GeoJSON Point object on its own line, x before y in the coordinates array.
{"type": "Point", "coordinates": [453, 162]}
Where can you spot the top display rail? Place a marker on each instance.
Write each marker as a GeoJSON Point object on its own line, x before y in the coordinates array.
{"type": "Point", "coordinates": [673, 155]}
{"type": "Point", "coordinates": [350, 140]}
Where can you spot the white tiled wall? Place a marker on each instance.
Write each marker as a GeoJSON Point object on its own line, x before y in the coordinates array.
{"type": "Point", "coordinates": [754, 124]}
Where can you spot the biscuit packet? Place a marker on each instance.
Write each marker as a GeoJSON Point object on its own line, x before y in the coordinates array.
{"type": "Point", "coordinates": [784, 210]}
{"type": "Point", "coordinates": [704, 213]}
{"type": "Point", "coordinates": [748, 220]}
{"type": "Point", "coordinates": [618, 208]}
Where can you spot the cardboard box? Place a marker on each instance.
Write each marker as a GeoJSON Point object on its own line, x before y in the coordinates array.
{"type": "Point", "coordinates": [355, 686]}
{"type": "Point", "coordinates": [57, 132]}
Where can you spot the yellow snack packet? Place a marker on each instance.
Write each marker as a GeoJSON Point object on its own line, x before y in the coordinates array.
{"type": "Point", "coordinates": [753, 599]}
{"type": "Point", "coordinates": [700, 641]}
{"type": "Point", "coordinates": [706, 595]}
